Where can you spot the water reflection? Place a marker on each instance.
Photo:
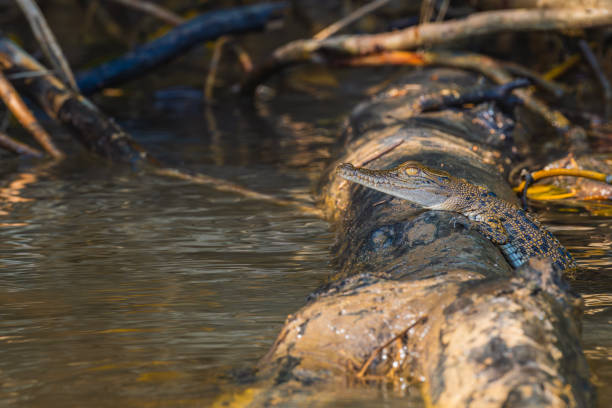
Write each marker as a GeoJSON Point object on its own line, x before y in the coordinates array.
{"type": "Point", "coordinates": [135, 291]}
{"type": "Point", "coordinates": [589, 237]}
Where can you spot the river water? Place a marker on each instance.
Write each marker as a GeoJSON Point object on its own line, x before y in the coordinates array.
{"type": "Point", "coordinates": [120, 288]}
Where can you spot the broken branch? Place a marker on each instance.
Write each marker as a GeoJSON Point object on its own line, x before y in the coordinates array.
{"type": "Point", "coordinates": [23, 114]}
{"type": "Point", "coordinates": [47, 40]}
{"type": "Point", "coordinates": [489, 22]}
{"type": "Point", "coordinates": [10, 144]}
{"type": "Point", "coordinates": [351, 18]}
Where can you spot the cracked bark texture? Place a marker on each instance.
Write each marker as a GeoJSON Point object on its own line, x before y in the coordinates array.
{"type": "Point", "coordinates": [451, 314]}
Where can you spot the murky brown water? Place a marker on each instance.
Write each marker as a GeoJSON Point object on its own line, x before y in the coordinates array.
{"type": "Point", "coordinates": [128, 290]}
{"type": "Point", "coordinates": [124, 289]}
{"type": "Point", "coordinates": [589, 238]}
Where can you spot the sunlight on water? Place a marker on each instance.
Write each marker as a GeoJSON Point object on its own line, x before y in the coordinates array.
{"type": "Point", "coordinates": [117, 285]}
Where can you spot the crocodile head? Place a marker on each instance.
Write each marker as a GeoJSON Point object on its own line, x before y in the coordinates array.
{"type": "Point", "coordinates": [427, 187]}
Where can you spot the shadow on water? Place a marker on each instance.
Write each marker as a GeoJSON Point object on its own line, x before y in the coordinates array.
{"type": "Point", "coordinates": [124, 289]}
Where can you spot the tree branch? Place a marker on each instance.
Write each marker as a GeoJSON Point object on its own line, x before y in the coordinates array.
{"type": "Point", "coordinates": [489, 22]}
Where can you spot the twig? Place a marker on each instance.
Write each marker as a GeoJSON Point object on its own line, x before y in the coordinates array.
{"type": "Point", "coordinates": [212, 71]}
{"type": "Point", "coordinates": [47, 40]}
{"type": "Point", "coordinates": [13, 145]}
{"type": "Point", "coordinates": [351, 18]}
{"type": "Point", "coordinates": [443, 10]}
{"type": "Point", "coordinates": [562, 68]}
{"type": "Point", "coordinates": [245, 63]}
{"type": "Point", "coordinates": [494, 71]}
{"type": "Point", "coordinates": [489, 22]}
{"type": "Point", "coordinates": [427, 10]}
{"type": "Point", "coordinates": [107, 22]}
{"type": "Point", "coordinates": [378, 155]}
{"type": "Point", "coordinates": [444, 98]}
{"type": "Point", "coordinates": [601, 77]}
{"type": "Point", "coordinates": [547, 85]}
{"type": "Point", "coordinates": [243, 57]}
{"type": "Point", "coordinates": [22, 75]}
{"type": "Point", "coordinates": [154, 10]}
{"type": "Point", "coordinates": [227, 186]}
{"type": "Point", "coordinates": [368, 362]}
{"type": "Point", "coordinates": [14, 102]}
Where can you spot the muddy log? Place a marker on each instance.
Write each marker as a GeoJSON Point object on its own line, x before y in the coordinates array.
{"type": "Point", "coordinates": [417, 298]}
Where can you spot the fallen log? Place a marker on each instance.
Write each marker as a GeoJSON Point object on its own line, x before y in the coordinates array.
{"type": "Point", "coordinates": [417, 298]}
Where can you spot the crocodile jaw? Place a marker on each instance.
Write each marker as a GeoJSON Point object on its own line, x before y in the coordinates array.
{"type": "Point", "coordinates": [416, 191]}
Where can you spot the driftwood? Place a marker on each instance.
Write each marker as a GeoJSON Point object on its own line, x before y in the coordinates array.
{"type": "Point", "coordinates": [416, 297]}
{"type": "Point", "coordinates": [14, 102]}
{"type": "Point", "coordinates": [93, 129]}
{"type": "Point", "coordinates": [488, 22]}
{"type": "Point", "coordinates": [179, 40]}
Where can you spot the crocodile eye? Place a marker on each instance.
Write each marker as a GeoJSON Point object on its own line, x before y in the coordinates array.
{"type": "Point", "coordinates": [411, 171]}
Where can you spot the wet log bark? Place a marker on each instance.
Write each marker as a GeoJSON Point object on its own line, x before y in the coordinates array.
{"type": "Point", "coordinates": [417, 297]}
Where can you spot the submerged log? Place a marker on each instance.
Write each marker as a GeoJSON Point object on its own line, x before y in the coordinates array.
{"type": "Point", "coordinates": [417, 297]}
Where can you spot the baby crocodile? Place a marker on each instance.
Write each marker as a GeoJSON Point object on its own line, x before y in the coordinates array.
{"type": "Point", "coordinates": [519, 236]}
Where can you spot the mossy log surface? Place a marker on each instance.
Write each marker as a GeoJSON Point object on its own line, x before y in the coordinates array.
{"type": "Point", "coordinates": [441, 299]}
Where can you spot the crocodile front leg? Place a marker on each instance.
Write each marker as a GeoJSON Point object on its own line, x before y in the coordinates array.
{"type": "Point", "coordinates": [494, 230]}
{"type": "Point", "coordinates": [513, 255]}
